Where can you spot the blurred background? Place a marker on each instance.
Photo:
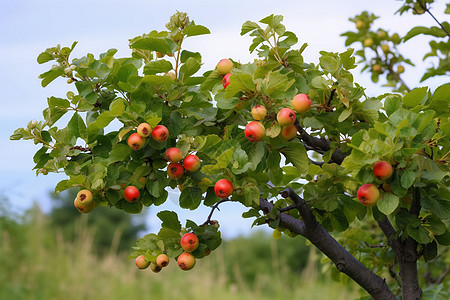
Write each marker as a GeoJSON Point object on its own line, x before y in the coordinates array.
{"type": "Point", "coordinates": [49, 251]}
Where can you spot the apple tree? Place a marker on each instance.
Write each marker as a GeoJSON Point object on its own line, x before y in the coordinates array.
{"type": "Point", "coordinates": [300, 144]}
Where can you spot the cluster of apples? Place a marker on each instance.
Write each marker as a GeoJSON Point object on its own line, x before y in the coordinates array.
{"type": "Point", "coordinates": [255, 130]}
{"type": "Point", "coordinates": [176, 168]}
{"type": "Point", "coordinates": [186, 261]}
{"type": "Point", "coordinates": [137, 140]}
{"type": "Point", "coordinates": [368, 193]}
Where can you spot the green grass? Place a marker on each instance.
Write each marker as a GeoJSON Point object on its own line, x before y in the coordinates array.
{"type": "Point", "coordinates": [37, 263]}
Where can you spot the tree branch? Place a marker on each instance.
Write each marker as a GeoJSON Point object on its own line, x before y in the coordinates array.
{"type": "Point", "coordinates": [311, 229]}
{"type": "Point", "coordinates": [319, 145]}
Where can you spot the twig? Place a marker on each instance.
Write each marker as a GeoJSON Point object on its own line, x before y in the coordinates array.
{"type": "Point", "coordinates": [214, 207]}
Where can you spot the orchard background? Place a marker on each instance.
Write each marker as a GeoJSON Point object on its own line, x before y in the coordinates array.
{"type": "Point", "coordinates": [209, 56]}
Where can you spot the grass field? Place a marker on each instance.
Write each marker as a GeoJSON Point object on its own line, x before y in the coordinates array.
{"type": "Point", "coordinates": [37, 263]}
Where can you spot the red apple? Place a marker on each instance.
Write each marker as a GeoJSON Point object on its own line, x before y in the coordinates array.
{"type": "Point", "coordinates": [144, 130]}
{"type": "Point", "coordinates": [226, 80]}
{"type": "Point", "coordinates": [289, 132]}
{"type": "Point", "coordinates": [141, 262]}
{"type": "Point", "coordinates": [175, 170]}
{"type": "Point", "coordinates": [189, 242]}
{"type": "Point", "coordinates": [223, 188]}
{"type": "Point", "coordinates": [254, 131]}
{"type": "Point", "coordinates": [135, 141]}
{"type": "Point", "coordinates": [160, 133]}
{"type": "Point", "coordinates": [131, 193]}
{"type": "Point", "coordinates": [286, 117]}
{"type": "Point", "coordinates": [174, 155]}
{"type": "Point", "coordinates": [301, 103]}
{"type": "Point", "coordinates": [191, 163]}
{"type": "Point", "coordinates": [259, 112]}
{"type": "Point", "coordinates": [186, 261]}
{"type": "Point", "coordinates": [382, 170]}
{"type": "Point", "coordinates": [368, 194]}
{"type": "Point", "coordinates": [224, 66]}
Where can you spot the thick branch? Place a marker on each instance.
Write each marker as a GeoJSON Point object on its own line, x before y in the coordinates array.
{"type": "Point", "coordinates": [320, 145]}
{"type": "Point", "coordinates": [318, 236]}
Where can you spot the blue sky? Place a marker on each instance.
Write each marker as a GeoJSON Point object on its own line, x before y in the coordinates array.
{"type": "Point", "coordinates": [28, 27]}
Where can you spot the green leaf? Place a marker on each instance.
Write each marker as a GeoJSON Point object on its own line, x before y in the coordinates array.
{"type": "Point", "coordinates": [44, 57]}
{"type": "Point", "coordinates": [251, 194]}
{"type": "Point", "coordinates": [430, 251]}
{"type": "Point", "coordinates": [420, 234]}
{"type": "Point", "coordinates": [117, 107]}
{"type": "Point", "coordinates": [193, 30]}
{"type": "Point", "coordinates": [443, 239]}
{"type": "Point", "coordinates": [392, 103]}
{"type": "Point", "coordinates": [132, 208]}
{"type": "Point", "coordinates": [169, 220]}
{"type": "Point", "coordinates": [77, 127]}
{"type": "Point", "coordinates": [156, 79]}
{"type": "Point", "coordinates": [249, 26]}
{"type": "Point", "coordinates": [441, 99]}
{"type": "Point", "coordinates": [415, 97]}
{"type": "Point", "coordinates": [120, 152]}
{"type": "Point", "coordinates": [190, 198]}
{"type": "Point", "coordinates": [189, 68]}
{"type": "Point", "coordinates": [407, 179]}
{"type": "Point", "coordinates": [158, 66]}
{"type": "Point", "coordinates": [69, 183]}
{"type": "Point", "coordinates": [160, 44]}
{"type": "Point", "coordinates": [433, 31]}
{"type": "Point", "coordinates": [297, 155]}
{"type": "Point", "coordinates": [274, 130]}
{"type": "Point", "coordinates": [388, 203]}
{"type": "Point", "coordinates": [51, 75]}
{"type": "Point", "coordinates": [239, 82]}
{"type": "Point", "coordinates": [344, 115]}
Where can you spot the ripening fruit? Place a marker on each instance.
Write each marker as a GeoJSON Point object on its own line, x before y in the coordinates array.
{"type": "Point", "coordinates": [385, 48]}
{"type": "Point", "coordinates": [141, 262]}
{"type": "Point", "coordinates": [224, 66]}
{"type": "Point", "coordinates": [160, 133]}
{"type": "Point", "coordinates": [387, 187]}
{"type": "Point", "coordinates": [382, 34]}
{"type": "Point", "coordinates": [174, 155]}
{"type": "Point", "coordinates": [368, 194]}
{"type": "Point", "coordinates": [254, 131]}
{"type": "Point", "coordinates": [131, 193]}
{"type": "Point", "coordinates": [159, 54]}
{"type": "Point", "coordinates": [276, 234]}
{"type": "Point", "coordinates": [191, 163]}
{"type": "Point", "coordinates": [223, 188]}
{"type": "Point", "coordinates": [189, 242]}
{"type": "Point", "coordinates": [171, 75]}
{"type": "Point", "coordinates": [155, 268]}
{"type": "Point", "coordinates": [84, 197]}
{"type": "Point", "coordinates": [368, 42]}
{"type": "Point", "coordinates": [226, 80]}
{"type": "Point", "coordinates": [289, 132]}
{"type": "Point", "coordinates": [186, 261]}
{"type": "Point", "coordinates": [144, 130]}
{"type": "Point", "coordinates": [259, 112]}
{"type": "Point", "coordinates": [286, 117]}
{"type": "Point", "coordinates": [360, 24]}
{"type": "Point", "coordinates": [395, 38]}
{"type": "Point", "coordinates": [162, 260]}
{"type": "Point", "coordinates": [376, 68]}
{"type": "Point", "coordinates": [301, 103]}
{"type": "Point", "coordinates": [135, 141]}
{"type": "Point", "coordinates": [175, 170]}
{"type": "Point", "coordinates": [382, 170]}
{"type": "Point", "coordinates": [84, 208]}
{"type": "Point", "coordinates": [400, 69]}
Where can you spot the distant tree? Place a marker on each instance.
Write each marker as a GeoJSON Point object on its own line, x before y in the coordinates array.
{"type": "Point", "coordinates": [106, 224]}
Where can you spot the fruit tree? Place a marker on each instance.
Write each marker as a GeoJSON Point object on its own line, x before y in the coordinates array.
{"type": "Point", "coordinates": [295, 142]}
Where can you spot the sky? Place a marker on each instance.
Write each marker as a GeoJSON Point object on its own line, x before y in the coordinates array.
{"type": "Point", "coordinates": [28, 27]}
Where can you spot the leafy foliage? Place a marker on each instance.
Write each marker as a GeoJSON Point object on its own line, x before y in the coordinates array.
{"type": "Point", "coordinates": [348, 131]}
